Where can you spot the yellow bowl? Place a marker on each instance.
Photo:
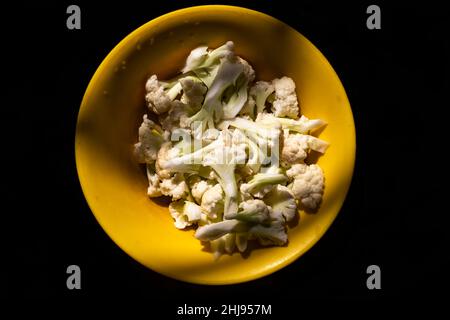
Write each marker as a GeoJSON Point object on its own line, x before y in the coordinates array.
{"type": "Point", "coordinates": [114, 184]}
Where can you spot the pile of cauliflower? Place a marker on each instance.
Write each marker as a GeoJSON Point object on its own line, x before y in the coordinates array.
{"type": "Point", "coordinates": [229, 151]}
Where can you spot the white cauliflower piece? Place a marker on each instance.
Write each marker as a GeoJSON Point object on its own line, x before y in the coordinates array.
{"type": "Point", "coordinates": [249, 73]}
{"type": "Point", "coordinates": [176, 187]}
{"type": "Point", "coordinates": [166, 152]}
{"type": "Point", "coordinates": [150, 140]}
{"type": "Point", "coordinates": [238, 196]}
{"type": "Point", "coordinates": [282, 201]}
{"type": "Point", "coordinates": [285, 103]}
{"type": "Point", "coordinates": [261, 91]}
{"type": "Point", "coordinates": [273, 234]}
{"type": "Point", "coordinates": [224, 244]}
{"type": "Point", "coordinates": [153, 189]}
{"type": "Point", "coordinates": [199, 187]}
{"type": "Point", "coordinates": [216, 230]}
{"type": "Point", "coordinates": [302, 125]}
{"type": "Point", "coordinates": [202, 58]}
{"type": "Point", "coordinates": [195, 58]}
{"type": "Point", "coordinates": [245, 195]}
{"type": "Point", "coordinates": [263, 182]}
{"type": "Point", "coordinates": [253, 211]}
{"type": "Point", "coordinates": [235, 100]}
{"type": "Point", "coordinates": [177, 117]}
{"type": "Point", "coordinates": [212, 201]}
{"type": "Point", "coordinates": [259, 193]}
{"type": "Point", "coordinates": [185, 213]}
{"type": "Point", "coordinates": [160, 95]}
{"type": "Point", "coordinates": [193, 92]}
{"type": "Point", "coordinates": [296, 146]}
{"type": "Point", "coordinates": [308, 184]}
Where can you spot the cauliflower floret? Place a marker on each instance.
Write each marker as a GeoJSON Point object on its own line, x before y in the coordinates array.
{"type": "Point", "coordinates": [176, 187]}
{"type": "Point", "coordinates": [254, 211]}
{"type": "Point", "coordinates": [159, 99]}
{"type": "Point", "coordinates": [177, 117]}
{"type": "Point", "coordinates": [261, 91]}
{"type": "Point", "coordinates": [296, 146]}
{"type": "Point", "coordinates": [273, 234]}
{"type": "Point", "coordinates": [283, 203]}
{"type": "Point", "coordinates": [196, 58]}
{"type": "Point", "coordinates": [259, 193]}
{"type": "Point", "coordinates": [150, 140]}
{"type": "Point", "coordinates": [216, 230]}
{"type": "Point", "coordinates": [202, 58]}
{"type": "Point", "coordinates": [193, 92]}
{"type": "Point", "coordinates": [236, 93]}
{"type": "Point", "coordinates": [256, 101]}
{"type": "Point", "coordinates": [185, 213]}
{"type": "Point", "coordinates": [263, 182]}
{"type": "Point", "coordinates": [224, 244]}
{"type": "Point", "coordinates": [165, 153]}
{"type": "Point", "coordinates": [285, 103]}
{"type": "Point", "coordinates": [308, 184]}
{"type": "Point", "coordinates": [249, 73]}
{"type": "Point", "coordinates": [153, 189]}
{"type": "Point", "coordinates": [245, 195]}
{"type": "Point", "coordinates": [302, 125]}
{"type": "Point", "coordinates": [212, 201]}
{"type": "Point", "coordinates": [199, 187]}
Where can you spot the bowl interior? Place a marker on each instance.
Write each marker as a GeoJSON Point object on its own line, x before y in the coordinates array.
{"type": "Point", "coordinates": [115, 185]}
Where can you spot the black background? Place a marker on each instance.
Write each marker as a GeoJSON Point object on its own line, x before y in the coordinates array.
{"type": "Point", "coordinates": [395, 79]}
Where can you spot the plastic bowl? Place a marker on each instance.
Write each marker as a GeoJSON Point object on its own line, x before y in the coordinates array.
{"type": "Point", "coordinates": [114, 184]}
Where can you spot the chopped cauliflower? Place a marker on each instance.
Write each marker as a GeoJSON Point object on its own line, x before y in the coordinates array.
{"type": "Point", "coordinates": [261, 91]}
{"type": "Point", "coordinates": [176, 187]}
{"type": "Point", "coordinates": [185, 213]}
{"type": "Point", "coordinates": [150, 140]}
{"type": "Point", "coordinates": [285, 103]}
{"type": "Point", "coordinates": [159, 99]}
{"type": "Point", "coordinates": [273, 234]}
{"type": "Point", "coordinates": [176, 117]}
{"type": "Point", "coordinates": [199, 187]}
{"type": "Point", "coordinates": [165, 152]}
{"type": "Point", "coordinates": [230, 151]}
{"type": "Point", "coordinates": [258, 193]}
{"type": "Point", "coordinates": [153, 189]}
{"type": "Point", "coordinates": [307, 185]}
{"type": "Point", "coordinates": [253, 211]}
{"type": "Point", "coordinates": [212, 201]}
{"type": "Point", "coordinates": [193, 92]}
{"type": "Point", "coordinates": [296, 147]}
{"type": "Point", "coordinates": [282, 201]}
{"type": "Point", "coordinates": [249, 73]}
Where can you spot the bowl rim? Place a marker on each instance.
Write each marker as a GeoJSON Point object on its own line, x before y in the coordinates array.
{"type": "Point", "coordinates": [125, 41]}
